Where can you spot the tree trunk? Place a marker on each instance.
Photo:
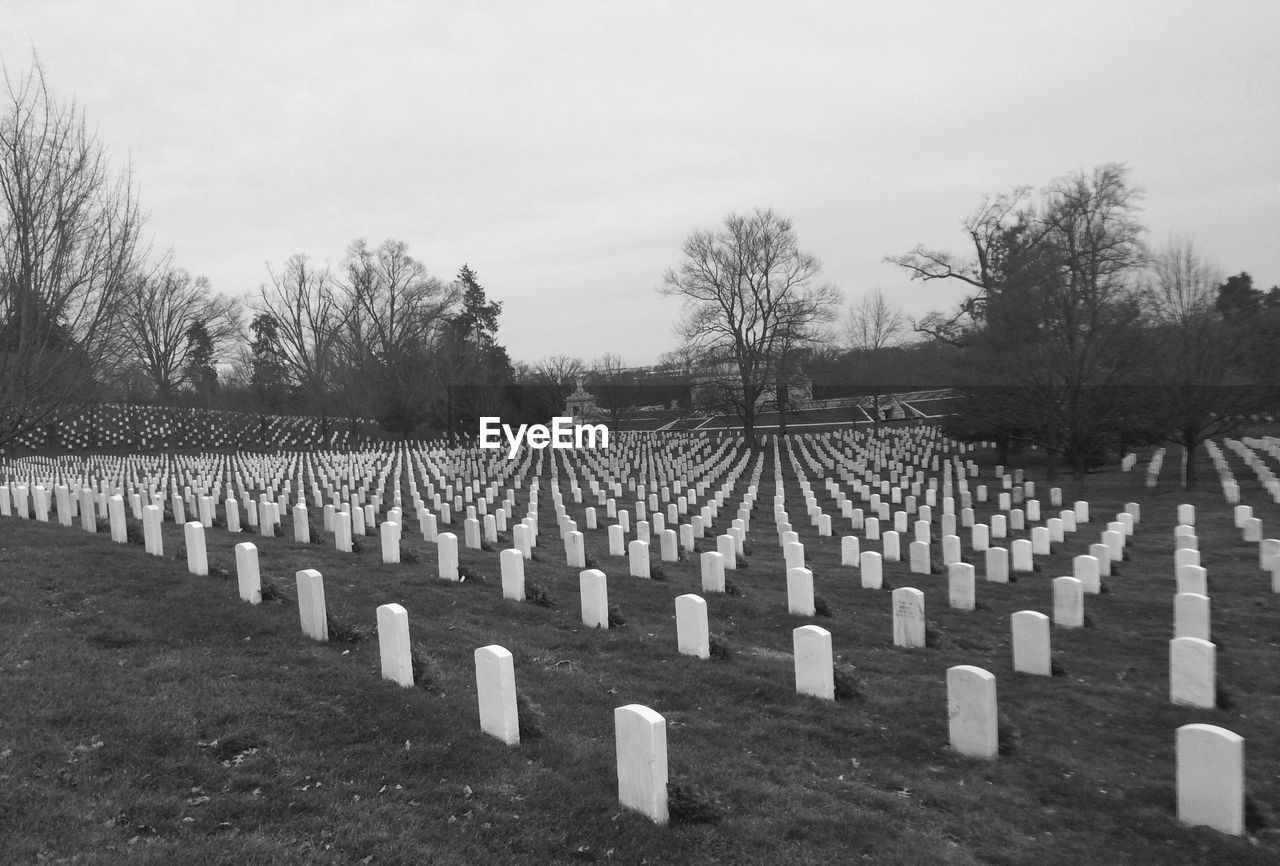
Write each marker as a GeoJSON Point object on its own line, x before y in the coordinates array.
{"type": "Point", "coordinates": [1189, 454]}
{"type": "Point", "coordinates": [749, 431]}
{"type": "Point", "coordinates": [1077, 472]}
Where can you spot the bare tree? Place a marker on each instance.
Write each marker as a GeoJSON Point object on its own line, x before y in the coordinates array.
{"type": "Point", "coordinates": [68, 242]}
{"type": "Point", "coordinates": [552, 380]}
{"type": "Point", "coordinates": [1065, 329]}
{"type": "Point", "coordinates": [308, 318]}
{"type": "Point", "coordinates": [393, 313]}
{"type": "Point", "coordinates": [613, 387]}
{"type": "Point", "coordinates": [680, 361]}
{"type": "Point", "coordinates": [160, 307]}
{"type": "Point", "coordinates": [1003, 236]}
{"type": "Point", "coordinates": [748, 290]}
{"type": "Point", "coordinates": [1202, 381]}
{"type": "Point", "coordinates": [871, 326]}
{"type": "Point", "coordinates": [393, 302]}
{"type": "Point", "coordinates": [797, 337]}
{"type": "Point", "coordinates": [1181, 285]}
{"type": "Point", "coordinates": [1051, 323]}
{"type": "Point", "coordinates": [873, 323]}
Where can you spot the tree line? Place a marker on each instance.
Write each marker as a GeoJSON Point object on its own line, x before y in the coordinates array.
{"type": "Point", "coordinates": [89, 313]}
{"type": "Point", "coordinates": [1076, 336]}
{"type": "Point", "coordinates": [1073, 333]}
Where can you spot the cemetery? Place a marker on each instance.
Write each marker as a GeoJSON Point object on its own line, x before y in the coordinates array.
{"type": "Point", "coordinates": [308, 556]}
{"type": "Point", "coordinates": [867, 643]}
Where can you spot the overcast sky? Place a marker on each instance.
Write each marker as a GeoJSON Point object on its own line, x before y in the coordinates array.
{"type": "Point", "coordinates": [565, 149]}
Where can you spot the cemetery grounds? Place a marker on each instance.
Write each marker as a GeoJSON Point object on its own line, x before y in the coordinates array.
{"type": "Point", "coordinates": [151, 715]}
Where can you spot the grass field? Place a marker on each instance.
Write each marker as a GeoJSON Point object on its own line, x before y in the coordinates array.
{"type": "Point", "coordinates": [148, 716]}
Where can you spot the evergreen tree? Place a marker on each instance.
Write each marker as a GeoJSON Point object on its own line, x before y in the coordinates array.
{"type": "Point", "coordinates": [267, 378]}
{"type": "Point", "coordinates": [201, 371]}
{"type": "Point", "coordinates": [478, 320]}
{"type": "Point", "coordinates": [473, 369]}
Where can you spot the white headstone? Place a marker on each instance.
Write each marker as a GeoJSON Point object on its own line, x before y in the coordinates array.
{"type": "Point", "coordinates": [973, 722]}
{"type": "Point", "coordinates": [800, 591]}
{"type": "Point", "coordinates": [197, 558]}
{"type": "Point", "coordinates": [997, 565]}
{"type": "Point", "coordinates": [1031, 654]}
{"type": "Point", "coordinates": [342, 531]}
{"type": "Point", "coordinates": [1082, 511]}
{"type": "Point", "coordinates": [594, 589]}
{"type": "Point", "coordinates": [1068, 602]}
{"type": "Point", "coordinates": [1269, 554]}
{"type": "Point", "coordinates": [1242, 513]}
{"type": "Point", "coordinates": [872, 568]}
{"type": "Point", "coordinates": [1068, 520]}
{"type": "Point", "coordinates": [511, 561]}
{"type": "Point", "coordinates": [1040, 541]}
{"type": "Point", "coordinates": [892, 550]}
{"type": "Point", "coordinates": [152, 518]}
{"type": "Point", "coordinates": [393, 644]}
{"type": "Point", "coordinates": [1017, 520]}
{"type": "Point", "coordinates": [908, 617]}
{"type": "Point", "coordinates": [693, 637]}
{"type": "Point", "coordinates": [1192, 672]}
{"type": "Point", "coordinates": [638, 558]}
{"type": "Point", "coordinates": [1114, 541]}
{"type": "Point", "coordinates": [960, 586]}
{"type": "Point", "coordinates": [1022, 559]}
{"type": "Point", "coordinates": [1085, 569]}
{"type": "Point", "coordinates": [668, 542]}
{"type": "Point", "coordinates": [641, 743]}
{"type": "Point", "coordinates": [521, 540]}
{"type": "Point", "coordinates": [471, 533]}
{"type": "Point", "coordinates": [1192, 578]}
{"type": "Point", "coordinates": [447, 555]}
{"type": "Point", "coordinates": [849, 552]}
{"type": "Point", "coordinates": [1191, 615]}
{"type": "Point", "coordinates": [1210, 773]}
{"type": "Point", "coordinates": [814, 664]}
{"type": "Point", "coordinates": [950, 549]}
{"type": "Point", "coordinates": [575, 550]}
{"type": "Point", "coordinates": [793, 554]}
{"type": "Point", "coordinates": [301, 523]}
{"type": "Point", "coordinates": [311, 606]}
{"type": "Point", "coordinates": [247, 574]}
{"type": "Point", "coordinates": [496, 693]}
{"type": "Point", "coordinates": [389, 535]}
{"type": "Point", "coordinates": [728, 549]}
{"type": "Point", "coordinates": [712, 571]}
{"type": "Point", "coordinates": [1102, 554]}
{"type": "Point", "coordinates": [920, 558]}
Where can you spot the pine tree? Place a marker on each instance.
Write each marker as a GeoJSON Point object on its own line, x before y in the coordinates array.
{"type": "Point", "coordinates": [268, 374]}
{"type": "Point", "coordinates": [478, 320]}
